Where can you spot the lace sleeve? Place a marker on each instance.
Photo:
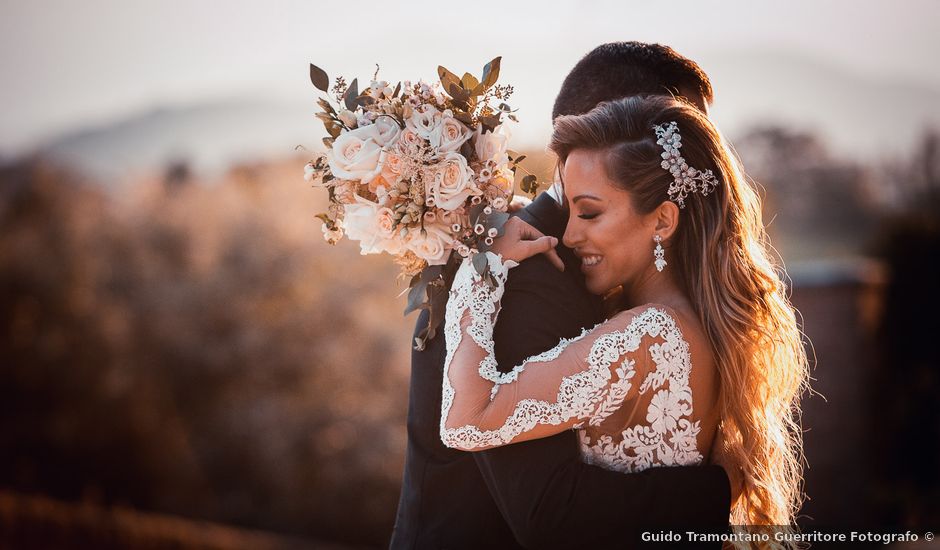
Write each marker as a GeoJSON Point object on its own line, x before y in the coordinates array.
{"type": "Point", "coordinates": [581, 380]}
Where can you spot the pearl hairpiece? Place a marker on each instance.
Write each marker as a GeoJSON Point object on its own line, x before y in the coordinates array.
{"type": "Point", "coordinates": [685, 178]}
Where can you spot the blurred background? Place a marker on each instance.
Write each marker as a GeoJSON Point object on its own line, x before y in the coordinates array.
{"type": "Point", "coordinates": [185, 363]}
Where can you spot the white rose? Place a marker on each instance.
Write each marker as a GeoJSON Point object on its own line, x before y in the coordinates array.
{"type": "Point", "coordinates": [434, 246]}
{"type": "Point", "coordinates": [370, 224]}
{"type": "Point", "coordinates": [356, 154]}
{"type": "Point", "coordinates": [450, 134]}
{"type": "Point", "coordinates": [451, 182]}
{"type": "Point", "coordinates": [492, 145]}
{"type": "Point", "coordinates": [388, 130]}
{"type": "Point", "coordinates": [424, 120]}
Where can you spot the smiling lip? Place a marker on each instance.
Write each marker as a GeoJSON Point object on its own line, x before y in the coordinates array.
{"type": "Point", "coordinates": [590, 261]}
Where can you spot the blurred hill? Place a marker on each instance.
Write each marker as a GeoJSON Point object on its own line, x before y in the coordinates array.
{"type": "Point", "coordinates": [209, 137]}
{"type": "Point", "coordinates": [859, 118]}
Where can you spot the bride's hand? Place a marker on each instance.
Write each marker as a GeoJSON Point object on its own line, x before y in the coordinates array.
{"type": "Point", "coordinates": [518, 203]}
{"type": "Point", "coordinates": [520, 241]}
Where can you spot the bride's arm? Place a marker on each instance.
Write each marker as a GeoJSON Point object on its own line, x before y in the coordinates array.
{"type": "Point", "coordinates": [582, 379]}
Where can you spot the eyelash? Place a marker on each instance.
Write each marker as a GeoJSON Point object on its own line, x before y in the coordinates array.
{"type": "Point", "coordinates": [588, 216]}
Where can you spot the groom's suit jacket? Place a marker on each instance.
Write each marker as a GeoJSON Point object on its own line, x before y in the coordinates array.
{"type": "Point", "coordinates": [535, 494]}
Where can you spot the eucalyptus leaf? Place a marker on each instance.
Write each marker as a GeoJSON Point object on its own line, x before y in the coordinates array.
{"type": "Point", "coordinates": [458, 93]}
{"type": "Point", "coordinates": [325, 105]}
{"type": "Point", "coordinates": [465, 118]}
{"type": "Point", "coordinates": [333, 129]}
{"type": "Point", "coordinates": [491, 120]}
{"type": "Point", "coordinates": [469, 82]}
{"type": "Point", "coordinates": [319, 78]}
{"type": "Point", "coordinates": [447, 78]}
{"type": "Point", "coordinates": [349, 98]}
{"type": "Point", "coordinates": [480, 263]}
{"type": "Point", "coordinates": [437, 308]}
{"type": "Point", "coordinates": [476, 211]}
{"type": "Point", "coordinates": [491, 72]}
{"type": "Point", "coordinates": [416, 297]}
{"type": "Point", "coordinates": [529, 185]}
{"type": "Point", "coordinates": [497, 219]}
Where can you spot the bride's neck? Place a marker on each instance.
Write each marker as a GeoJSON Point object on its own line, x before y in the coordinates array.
{"type": "Point", "coordinates": [655, 288]}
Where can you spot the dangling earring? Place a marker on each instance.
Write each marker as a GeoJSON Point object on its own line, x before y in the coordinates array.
{"type": "Point", "coordinates": [659, 253]}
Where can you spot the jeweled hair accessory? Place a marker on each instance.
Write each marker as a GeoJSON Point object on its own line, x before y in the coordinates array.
{"type": "Point", "coordinates": [685, 178]}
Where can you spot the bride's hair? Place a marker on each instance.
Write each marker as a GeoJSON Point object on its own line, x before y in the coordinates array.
{"type": "Point", "coordinates": [722, 261]}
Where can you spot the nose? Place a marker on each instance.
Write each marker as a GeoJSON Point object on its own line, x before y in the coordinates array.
{"type": "Point", "coordinates": [573, 235]}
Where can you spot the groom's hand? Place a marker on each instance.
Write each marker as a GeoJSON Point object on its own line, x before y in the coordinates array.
{"type": "Point", "coordinates": [520, 241]}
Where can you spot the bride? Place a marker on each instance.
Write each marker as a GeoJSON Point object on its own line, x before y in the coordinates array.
{"type": "Point", "coordinates": [702, 342]}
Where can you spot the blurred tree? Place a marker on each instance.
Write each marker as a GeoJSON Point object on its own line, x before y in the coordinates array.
{"type": "Point", "coordinates": [200, 350]}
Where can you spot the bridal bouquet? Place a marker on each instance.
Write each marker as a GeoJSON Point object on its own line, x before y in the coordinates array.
{"type": "Point", "coordinates": [419, 171]}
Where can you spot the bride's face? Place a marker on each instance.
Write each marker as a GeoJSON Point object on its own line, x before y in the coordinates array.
{"type": "Point", "coordinates": [613, 241]}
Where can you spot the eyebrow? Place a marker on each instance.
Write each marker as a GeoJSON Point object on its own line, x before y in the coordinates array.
{"type": "Point", "coordinates": [579, 197]}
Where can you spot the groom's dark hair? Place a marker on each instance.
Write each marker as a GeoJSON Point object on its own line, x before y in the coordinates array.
{"type": "Point", "coordinates": [620, 69]}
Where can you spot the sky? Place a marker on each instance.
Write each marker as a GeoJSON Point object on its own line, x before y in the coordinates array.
{"type": "Point", "coordinates": [70, 64]}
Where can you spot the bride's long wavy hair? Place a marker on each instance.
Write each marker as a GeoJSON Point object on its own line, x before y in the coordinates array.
{"type": "Point", "coordinates": [722, 260]}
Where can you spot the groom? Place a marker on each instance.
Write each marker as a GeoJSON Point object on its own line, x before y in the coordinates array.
{"type": "Point", "coordinates": [539, 494]}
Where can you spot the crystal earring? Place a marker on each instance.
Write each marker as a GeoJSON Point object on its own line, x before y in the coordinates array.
{"type": "Point", "coordinates": [659, 253]}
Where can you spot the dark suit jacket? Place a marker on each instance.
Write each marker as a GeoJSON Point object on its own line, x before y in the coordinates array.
{"type": "Point", "coordinates": [535, 494]}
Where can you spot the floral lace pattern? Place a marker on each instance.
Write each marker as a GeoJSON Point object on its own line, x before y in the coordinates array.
{"type": "Point", "coordinates": [590, 395]}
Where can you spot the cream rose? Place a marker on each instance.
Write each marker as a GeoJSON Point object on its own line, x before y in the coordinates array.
{"type": "Point", "coordinates": [450, 134]}
{"type": "Point", "coordinates": [433, 246]}
{"type": "Point", "coordinates": [371, 225]}
{"type": "Point", "coordinates": [424, 120]}
{"type": "Point", "coordinates": [492, 145]}
{"type": "Point", "coordinates": [389, 130]}
{"type": "Point", "coordinates": [451, 182]}
{"type": "Point", "coordinates": [356, 154]}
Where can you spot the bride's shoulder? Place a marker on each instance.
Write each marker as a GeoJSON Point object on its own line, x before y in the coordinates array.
{"type": "Point", "coordinates": [651, 316]}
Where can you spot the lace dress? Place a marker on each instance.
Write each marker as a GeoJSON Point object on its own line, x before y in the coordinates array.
{"type": "Point", "coordinates": [599, 383]}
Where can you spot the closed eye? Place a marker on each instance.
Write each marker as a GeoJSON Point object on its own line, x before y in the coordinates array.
{"type": "Point", "coordinates": [588, 216]}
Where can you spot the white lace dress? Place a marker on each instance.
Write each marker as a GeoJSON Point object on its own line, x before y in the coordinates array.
{"type": "Point", "coordinates": [598, 383]}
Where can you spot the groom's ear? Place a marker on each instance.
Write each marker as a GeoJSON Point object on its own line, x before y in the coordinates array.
{"type": "Point", "coordinates": [667, 219]}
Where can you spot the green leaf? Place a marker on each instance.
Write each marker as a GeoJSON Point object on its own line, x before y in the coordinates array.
{"type": "Point", "coordinates": [491, 72]}
{"type": "Point", "coordinates": [349, 98]}
{"type": "Point", "coordinates": [319, 78]}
